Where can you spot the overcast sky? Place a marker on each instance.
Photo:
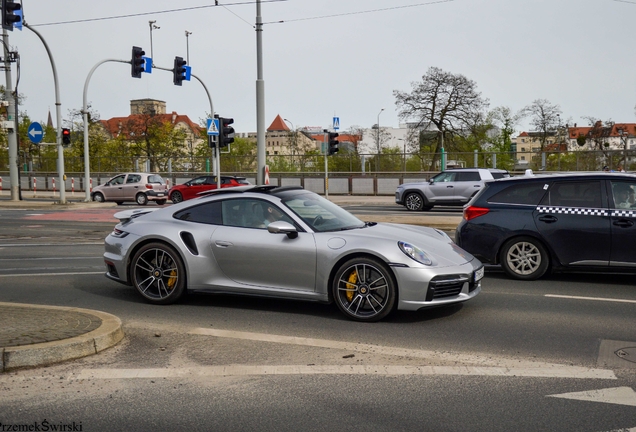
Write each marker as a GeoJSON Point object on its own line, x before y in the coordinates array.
{"type": "Point", "coordinates": [332, 57]}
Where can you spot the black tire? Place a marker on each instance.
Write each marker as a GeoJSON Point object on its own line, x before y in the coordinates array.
{"type": "Point", "coordinates": [98, 197]}
{"type": "Point", "coordinates": [141, 199]}
{"type": "Point", "coordinates": [176, 197]}
{"type": "Point", "coordinates": [413, 201]}
{"type": "Point", "coordinates": [364, 290]}
{"type": "Point", "coordinates": [161, 202]}
{"type": "Point", "coordinates": [119, 202]}
{"type": "Point", "coordinates": [158, 273]}
{"type": "Point", "coordinates": [524, 258]}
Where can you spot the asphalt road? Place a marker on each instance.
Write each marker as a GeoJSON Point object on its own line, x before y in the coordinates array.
{"type": "Point", "coordinates": [521, 356]}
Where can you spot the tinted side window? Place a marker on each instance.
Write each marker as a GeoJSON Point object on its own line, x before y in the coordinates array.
{"type": "Point", "coordinates": [498, 175]}
{"type": "Point", "coordinates": [209, 213]}
{"type": "Point", "coordinates": [133, 178]}
{"type": "Point", "coordinates": [574, 194]}
{"type": "Point", "coordinates": [444, 177]}
{"type": "Point", "coordinates": [468, 176]}
{"type": "Point", "coordinates": [529, 194]}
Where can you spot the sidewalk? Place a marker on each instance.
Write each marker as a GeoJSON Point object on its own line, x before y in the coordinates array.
{"type": "Point", "coordinates": [47, 200]}
{"type": "Point", "coordinates": [34, 335]}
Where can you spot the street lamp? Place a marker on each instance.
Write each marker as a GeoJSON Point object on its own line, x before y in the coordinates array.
{"type": "Point", "coordinates": [378, 136]}
{"type": "Point", "coordinates": [152, 27]}
{"type": "Point", "coordinates": [293, 140]}
{"type": "Point", "coordinates": [187, 34]}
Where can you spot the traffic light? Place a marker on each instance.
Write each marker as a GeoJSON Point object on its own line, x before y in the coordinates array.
{"type": "Point", "coordinates": [333, 143]}
{"type": "Point", "coordinates": [226, 132]}
{"type": "Point", "coordinates": [178, 72]}
{"type": "Point", "coordinates": [137, 62]}
{"type": "Point", "coordinates": [66, 137]}
{"type": "Point", "coordinates": [9, 17]}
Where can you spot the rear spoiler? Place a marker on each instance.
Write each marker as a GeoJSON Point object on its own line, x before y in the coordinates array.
{"type": "Point", "coordinates": [126, 215]}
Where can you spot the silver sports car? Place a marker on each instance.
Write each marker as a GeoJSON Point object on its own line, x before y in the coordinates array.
{"type": "Point", "coordinates": [289, 243]}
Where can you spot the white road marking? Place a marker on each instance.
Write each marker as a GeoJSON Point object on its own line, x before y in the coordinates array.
{"type": "Point", "coordinates": [52, 244]}
{"type": "Point", "coordinates": [591, 298]}
{"type": "Point", "coordinates": [617, 395]}
{"type": "Point", "coordinates": [51, 274]}
{"type": "Point", "coordinates": [247, 370]}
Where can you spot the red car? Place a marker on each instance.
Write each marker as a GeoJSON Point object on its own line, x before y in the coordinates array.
{"type": "Point", "coordinates": [190, 189]}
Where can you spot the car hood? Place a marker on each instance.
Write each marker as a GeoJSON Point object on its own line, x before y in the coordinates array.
{"type": "Point", "coordinates": [413, 184]}
{"type": "Point", "coordinates": [434, 242]}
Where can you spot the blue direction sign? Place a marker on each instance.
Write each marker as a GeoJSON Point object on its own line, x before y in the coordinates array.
{"type": "Point", "coordinates": [35, 132]}
{"type": "Point", "coordinates": [336, 123]}
{"type": "Point", "coordinates": [213, 127]}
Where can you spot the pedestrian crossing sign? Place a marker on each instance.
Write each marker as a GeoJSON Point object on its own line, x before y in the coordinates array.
{"type": "Point", "coordinates": [213, 127]}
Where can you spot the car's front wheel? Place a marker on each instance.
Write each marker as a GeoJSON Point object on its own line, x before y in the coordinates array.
{"type": "Point", "coordinates": [141, 199]}
{"type": "Point", "coordinates": [524, 258]}
{"type": "Point", "coordinates": [157, 272]}
{"type": "Point", "coordinates": [364, 289]}
{"type": "Point", "coordinates": [416, 202]}
{"type": "Point", "coordinates": [98, 197]}
{"type": "Point", "coordinates": [176, 197]}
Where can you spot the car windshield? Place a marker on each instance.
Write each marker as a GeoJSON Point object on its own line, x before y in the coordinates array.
{"type": "Point", "coordinates": [321, 214]}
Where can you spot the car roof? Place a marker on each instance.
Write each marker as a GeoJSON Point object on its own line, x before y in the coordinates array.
{"type": "Point", "coordinates": [264, 189]}
{"type": "Point", "coordinates": [568, 175]}
{"type": "Point", "coordinates": [476, 169]}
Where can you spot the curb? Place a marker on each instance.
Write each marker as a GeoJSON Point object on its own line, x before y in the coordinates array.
{"type": "Point", "coordinates": [44, 354]}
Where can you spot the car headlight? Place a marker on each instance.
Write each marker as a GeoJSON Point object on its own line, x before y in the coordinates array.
{"type": "Point", "coordinates": [415, 253]}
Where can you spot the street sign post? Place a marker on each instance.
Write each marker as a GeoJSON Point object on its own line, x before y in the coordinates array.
{"type": "Point", "coordinates": [35, 132]}
{"type": "Point", "coordinates": [336, 123]}
{"type": "Point", "coordinates": [213, 127]}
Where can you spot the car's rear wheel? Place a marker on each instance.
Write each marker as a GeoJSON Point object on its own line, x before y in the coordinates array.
{"type": "Point", "coordinates": [364, 289]}
{"type": "Point", "coordinates": [157, 272]}
{"type": "Point", "coordinates": [524, 258]}
{"type": "Point", "coordinates": [415, 202]}
{"type": "Point", "coordinates": [176, 197]}
{"type": "Point", "coordinates": [141, 199]}
{"type": "Point", "coordinates": [98, 197]}
{"type": "Point", "coordinates": [161, 202]}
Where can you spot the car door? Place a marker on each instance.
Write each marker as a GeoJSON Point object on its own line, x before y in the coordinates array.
{"type": "Point", "coordinates": [574, 221]}
{"type": "Point", "coordinates": [114, 189]}
{"type": "Point", "coordinates": [195, 186]}
{"type": "Point", "coordinates": [441, 188]}
{"type": "Point", "coordinates": [467, 184]}
{"type": "Point", "coordinates": [623, 222]}
{"type": "Point", "coordinates": [249, 254]}
{"type": "Point", "coordinates": [131, 187]}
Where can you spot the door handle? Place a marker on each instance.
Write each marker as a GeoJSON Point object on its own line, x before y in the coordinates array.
{"type": "Point", "coordinates": [449, 186]}
{"type": "Point", "coordinates": [223, 243]}
{"type": "Point", "coordinates": [623, 223]}
{"type": "Point", "coordinates": [548, 219]}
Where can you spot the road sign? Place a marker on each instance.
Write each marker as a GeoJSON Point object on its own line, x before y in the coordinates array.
{"type": "Point", "coordinates": [213, 127]}
{"type": "Point", "coordinates": [336, 123]}
{"type": "Point", "coordinates": [35, 132]}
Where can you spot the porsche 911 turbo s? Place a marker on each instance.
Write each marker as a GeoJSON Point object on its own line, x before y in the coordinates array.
{"type": "Point", "coordinates": [287, 242]}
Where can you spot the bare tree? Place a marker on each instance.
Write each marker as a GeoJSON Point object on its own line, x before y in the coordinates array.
{"type": "Point", "coordinates": [449, 101]}
{"type": "Point", "coordinates": [544, 118]}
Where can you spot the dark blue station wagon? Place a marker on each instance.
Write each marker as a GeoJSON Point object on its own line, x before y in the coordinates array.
{"type": "Point", "coordinates": [532, 224]}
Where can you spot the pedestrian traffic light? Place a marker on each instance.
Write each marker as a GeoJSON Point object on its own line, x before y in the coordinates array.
{"type": "Point", "coordinates": [66, 137]}
{"type": "Point", "coordinates": [333, 143]}
{"type": "Point", "coordinates": [178, 72]}
{"type": "Point", "coordinates": [226, 132]}
{"type": "Point", "coordinates": [9, 17]}
{"type": "Point", "coordinates": [137, 62]}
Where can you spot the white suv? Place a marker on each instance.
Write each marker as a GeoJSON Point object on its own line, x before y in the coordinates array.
{"type": "Point", "coordinates": [450, 188]}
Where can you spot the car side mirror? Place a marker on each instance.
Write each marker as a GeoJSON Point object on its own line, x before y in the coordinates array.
{"type": "Point", "coordinates": [282, 227]}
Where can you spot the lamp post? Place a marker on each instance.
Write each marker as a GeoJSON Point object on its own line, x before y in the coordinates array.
{"type": "Point", "coordinates": [293, 143]}
{"type": "Point", "coordinates": [377, 162]}
{"type": "Point", "coordinates": [187, 34]}
{"type": "Point", "coordinates": [404, 153]}
{"type": "Point", "coordinates": [152, 27]}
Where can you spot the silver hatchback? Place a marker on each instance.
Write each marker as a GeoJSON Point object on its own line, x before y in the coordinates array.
{"type": "Point", "coordinates": [132, 187]}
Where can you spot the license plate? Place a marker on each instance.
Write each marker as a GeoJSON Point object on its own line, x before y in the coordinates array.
{"type": "Point", "coordinates": [159, 194]}
{"type": "Point", "coordinates": [479, 274]}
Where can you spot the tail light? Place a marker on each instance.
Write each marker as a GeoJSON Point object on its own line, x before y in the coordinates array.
{"type": "Point", "coordinates": [471, 212]}
{"type": "Point", "coordinates": [148, 186]}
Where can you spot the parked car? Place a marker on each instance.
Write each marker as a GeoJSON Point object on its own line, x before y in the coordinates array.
{"type": "Point", "coordinates": [287, 242]}
{"type": "Point", "coordinates": [533, 224]}
{"type": "Point", "coordinates": [450, 188]}
{"type": "Point", "coordinates": [136, 187]}
{"type": "Point", "coordinates": [190, 189]}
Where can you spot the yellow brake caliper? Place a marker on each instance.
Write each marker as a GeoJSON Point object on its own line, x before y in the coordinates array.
{"type": "Point", "coordinates": [353, 278]}
{"type": "Point", "coordinates": [173, 279]}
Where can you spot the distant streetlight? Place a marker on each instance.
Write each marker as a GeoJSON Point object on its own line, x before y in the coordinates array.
{"type": "Point", "coordinates": [152, 27]}
{"type": "Point", "coordinates": [293, 139]}
{"type": "Point", "coordinates": [378, 136]}
{"type": "Point", "coordinates": [187, 34]}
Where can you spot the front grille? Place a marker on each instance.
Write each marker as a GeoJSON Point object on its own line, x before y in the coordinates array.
{"type": "Point", "coordinates": [446, 286]}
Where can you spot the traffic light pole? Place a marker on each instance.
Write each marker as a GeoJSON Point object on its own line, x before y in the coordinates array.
{"type": "Point", "coordinates": [325, 154]}
{"type": "Point", "coordinates": [11, 136]}
{"type": "Point", "coordinates": [58, 114]}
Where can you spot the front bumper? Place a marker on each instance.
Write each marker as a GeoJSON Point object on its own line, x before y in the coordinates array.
{"type": "Point", "coordinates": [422, 287]}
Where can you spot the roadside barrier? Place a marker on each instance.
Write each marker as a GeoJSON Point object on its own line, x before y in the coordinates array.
{"type": "Point", "coordinates": [53, 186]}
{"type": "Point", "coordinates": [34, 186]}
